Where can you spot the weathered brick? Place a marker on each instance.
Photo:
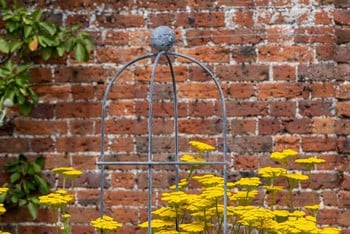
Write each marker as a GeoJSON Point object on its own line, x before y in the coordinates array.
{"type": "Point", "coordinates": [119, 21]}
{"type": "Point", "coordinates": [342, 127]}
{"type": "Point", "coordinates": [343, 109]}
{"type": "Point", "coordinates": [43, 127]}
{"type": "Point", "coordinates": [243, 162]}
{"type": "Point", "coordinates": [318, 144]}
{"type": "Point", "coordinates": [281, 89]}
{"type": "Point", "coordinates": [116, 38]}
{"type": "Point", "coordinates": [269, 126]}
{"type": "Point", "coordinates": [299, 126]}
{"type": "Point", "coordinates": [215, 54]}
{"type": "Point", "coordinates": [342, 35]}
{"type": "Point", "coordinates": [343, 145]}
{"type": "Point", "coordinates": [211, 19]}
{"type": "Point", "coordinates": [268, 53]}
{"type": "Point", "coordinates": [284, 72]}
{"type": "Point", "coordinates": [241, 90]}
{"type": "Point", "coordinates": [247, 108]}
{"type": "Point", "coordinates": [342, 17]}
{"type": "Point", "coordinates": [341, 3]}
{"type": "Point", "coordinates": [286, 142]}
{"type": "Point", "coordinates": [83, 74]}
{"type": "Point", "coordinates": [242, 72]}
{"type": "Point", "coordinates": [323, 72]}
{"type": "Point", "coordinates": [238, 36]}
{"type": "Point", "coordinates": [243, 126]}
{"type": "Point", "coordinates": [314, 35]}
{"type": "Point", "coordinates": [237, 3]}
{"type": "Point", "coordinates": [243, 18]}
{"type": "Point", "coordinates": [40, 75]}
{"type": "Point", "coordinates": [323, 17]}
{"type": "Point", "coordinates": [78, 144]}
{"type": "Point", "coordinates": [118, 55]}
{"type": "Point", "coordinates": [325, 52]}
{"type": "Point", "coordinates": [78, 109]}
{"type": "Point", "coordinates": [249, 144]}
{"type": "Point", "coordinates": [323, 125]}
{"type": "Point", "coordinates": [315, 108]}
{"type": "Point", "coordinates": [322, 90]}
{"type": "Point", "coordinates": [342, 54]}
{"type": "Point", "coordinates": [283, 108]}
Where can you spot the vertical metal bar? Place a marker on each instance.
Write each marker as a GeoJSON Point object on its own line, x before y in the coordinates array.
{"type": "Point", "coordinates": [176, 125]}
{"type": "Point", "coordinates": [150, 141]}
{"type": "Point", "coordinates": [103, 116]}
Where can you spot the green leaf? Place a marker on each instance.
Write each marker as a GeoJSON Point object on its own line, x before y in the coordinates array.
{"type": "Point", "coordinates": [22, 202]}
{"type": "Point", "coordinates": [14, 177]}
{"type": "Point", "coordinates": [4, 46]}
{"type": "Point", "coordinates": [46, 53]}
{"type": "Point", "coordinates": [50, 28]}
{"type": "Point", "coordinates": [60, 50]}
{"type": "Point", "coordinates": [15, 46]}
{"type": "Point", "coordinates": [33, 210]}
{"type": "Point", "coordinates": [28, 29]}
{"type": "Point", "coordinates": [25, 108]}
{"type": "Point", "coordinates": [37, 15]}
{"type": "Point", "coordinates": [3, 197]}
{"type": "Point", "coordinates": [44, 186]}
{"type": "Point", "coordinates": [80, 52]}
{"type": "Point", "coordinates": [40, 161]}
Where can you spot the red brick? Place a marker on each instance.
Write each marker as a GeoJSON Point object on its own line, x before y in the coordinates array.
{"type": "Point", "coordinates": [315, 108]}
{"type": "Point", "coordinates": [328, 216]}
{"type": "Point", "coordinates": [198, 90]}
{"type": "Point", "coordinates": [281, 89]}
{"type": "Point", "coordinates": [139, 38]}
{"type": "Point", "coordinates": [123, 180]}
{"type": "Point", "coordinates": [341, 3]}
{"type": "Point", "coordinates": [42, 127]}
{"type": "Point", "coordinates": [83, 74]}
{"type": "Point", "coordinates": [78, 144]}
{"type": "Point", "coordinates": [116, 38]}
{"type": "Point", "coordinates": [279, 34]}
{"type": "Point", "coordinates": [343, 145]}
{"type": "Point", "coordinates": [342, 17]}
{"type": "Point", "coordinates": [82, 20]}
{"type": "Point", "coordinates": [129, 198]}
{"type": "Point", "coordinates": [243, 54]}
{"type": "Point", "coordinates": [269, 126]}
{"type": "Point", "coordinates": [343, 35]}
{"type": "Point", "coordinates": [265, 3]}
{"type": "Point", "coordinates": [342, 54]}
{"type": "Point", "coordinates": [343, 109]}
{"type": "Point", "coordinates": [237, 3]}
{"type": "Point", "coordinates": [270, 53]}
{"type": "Point", "coordinates": [323, 17]}
{"type": "Point", "coordinates": [120, 144]}
{"type": "Point", "coordinates": [283, 108]}
{"type": "Point", "coordinates": [243, 18]}
{"type": "Point", "coordinates": [119, 21]}
{"type": "Point", "coordinates": [53, 92]}
{"type": "Point", "coordinates": [198, 37]}
{"type": "Point", "coordinates": [284, 72]}
{"type": "Point", "coordinates": [318, 144]}
{"type": "Point", "coordinates": [215, 54]}
{"type": "Point", "coordinates": [321, 180]}
{"type": "Point", "coordinates": [241, 90]}
{"type": "Point", "coordinates": [314, 35]}
{"type": "Point", "coordinates": [200, 126]}
{"type": "Point", "coordinates": [323, 72]}
{"type": "Point", "coordinates": [297, 126]}
{"type": "Point", "coordinates": [39, 145]}
{"type": "Point", "coordinates": [163, 74]}
{"type": "Point", "coordinates": [78, 109]}
{"type": "Point", "coordinates": [118, 55]}
{"type": "Point", "coordinates": [211, 19]}
{"type": "Point", "coordinates": [40, 75]}
{"type": "Point", "coordinates": [201, 109]}
{"type": "Point", "coordinates": [243, 126]}
{"type": "Point", "coordinates": [84, 162]}
{"type": "Point", "coordinates": [243, 162]}
{"type": "Point", "coordinates": [323, 125]}
{"type": "Point", "coordinates": [238, 36]}
{"type": "Point", "coordinates": [342, 127]}
{"type": "Point", "coordinates": [81, 127]}
{"type": "Point", "coordinates": [325, 52]}
{"type": "Point", "coordinates": [330, 198]}
{"type": "Point", "coordinates": [322, 90]}
{"type": "Point", "coordinates": [162, 5]}
{"type": "Point", "coordinates": [247, 108]}
{"type": "Point", "coordinates": [242, 72]}
{"type": "Point", "coordinates": [286, 142]}
{"type": "Point", "coordinates": [14, 145]}
{"type": "Point", "coordinates": [250, 144]}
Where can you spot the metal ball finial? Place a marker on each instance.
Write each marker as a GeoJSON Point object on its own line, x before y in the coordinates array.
{"type": "Point", "coordinates": [162, 38]}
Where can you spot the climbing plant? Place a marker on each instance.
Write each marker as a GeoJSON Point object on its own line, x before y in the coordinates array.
{"type": "Point", "coordinates": [26, 35]}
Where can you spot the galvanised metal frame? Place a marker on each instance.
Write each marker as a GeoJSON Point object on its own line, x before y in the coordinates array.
{"type": "Point", "coordinates": [162, 39]}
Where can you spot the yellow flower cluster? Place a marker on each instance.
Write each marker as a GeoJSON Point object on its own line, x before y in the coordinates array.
{"type": "Point", "coordinates": [67, 172]}
{"type": "Point", "coordinates": [57, 199]}
{"type": "Point", "coordinates": [201, 147]}
{"type": "Point", "coordinates": [3, 190]}
{"type": "Point", "coordinates": [2, 209]}
{"type": "Point", "coordinates": [190, 158]}
{"type": "Point", "coordinates": [271, 172]}
{"type": "Point", "coordinates": [284, 155]}
{"type": "Point", "coordinates": [105, 223]}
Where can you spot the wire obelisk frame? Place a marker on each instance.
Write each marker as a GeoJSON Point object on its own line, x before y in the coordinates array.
{"type": "Point", "coordinates": [162, 39]}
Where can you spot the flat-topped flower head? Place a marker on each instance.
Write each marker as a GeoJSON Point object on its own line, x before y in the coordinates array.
{"type": "Point", "coordinates": [190, 158]}
{"type": "Point", "coordinates": [284, 155]}
{"type": "Point", "coordinates": [209, 180]}
{"type": "Point", "coordinates": [201, 147]}
{"type": "Point", "coordinates": [244, 195]}
{"type": "Point", "coordinates": [2, 209]}
{"type": "Point", "coordinates": [248, 183]}
{"type": "Point", "coordinates": [72, 173]}
{"type": "Point", "coordinates": [271, 172]}
{"type": "Point", "coordinates": [3, 190]}
{"type": "Point", "coordinates": [157, 224]}
{"type": "Point", "coordinates": [296, 176]}
{"type": "Point", "coordinates": [273, 188]}
{"type": "Point", "coordinates": [105, 223]}
{"type": "Point", "coordinates": [329, 231]}
{"type": "Point", "coordinates": [311, 160]}
{"type": "Point", "coordinates": [58, 199]}
{"type": "Point", "coordinates": [195, 227]}
{"type": "Point", "coordinates": [312, 207]}
{"type": "Point", "coordinates": [60, 170]}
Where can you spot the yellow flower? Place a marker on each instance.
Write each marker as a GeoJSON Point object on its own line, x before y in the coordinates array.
{"type": "Point", "coordinates": [313, 207]}
{"type": "Point", "coordinates": [248, 182]}
{"type": "Point", "coordinates": [72, 173]}
{"type": "Point", "coordinates": [157, 223]}
{"type": "Point", "coordinates": [2, 209]}
{"type": "Point", "coordinates": [105, 223]}
{"type": "Point", "coordinates": [284, 155]}
{"type": "Point", "coordinates": [273, 188]}
{"type": "Point", "coordinates": [57, 199]}
{"type": "Point", "coordinates": [244, 195]}
{"type": "Point", "coordinates": [281, 213]}
{"type": "Point", "coordinates": [296, 176]}
{"type": "Point", "coordinates": [311, 160]}
{"type": "Point", "coordinates": [66, 216]}
{"type": "Point", "coordinates": [271, 172]}
{"type": "Point", "coordinates": [329, 231]}
{"type": "Point", "coordinates": [190, 158]}
{"type": "Point", "coordinates": [195, 227]}
{"type": "Point", "coordinates": [209, 180]}
{"type": "Point", "coordinates": [60, 170]}
{"type": "Point", "coordinates": [174, 198]}
{"type": "Point", "coordinates": [201, 147]}
{"type": "Point", "coordinates": [182, 184]}
{"type": "Point", "coordinates": [3, 190]}
{"type": "Point", "coordinates": [165, 212]}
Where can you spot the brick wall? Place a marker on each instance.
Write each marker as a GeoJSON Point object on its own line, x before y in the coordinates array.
{"type": "Point", "coordinates": [283, 66]}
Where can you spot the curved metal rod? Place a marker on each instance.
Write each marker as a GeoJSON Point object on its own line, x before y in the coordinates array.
{"type": "Point", "coordinates": [150, 141]}
{"type": "Point", "coordinates": [104, 103]}
{"type": "Point", "coordinates": [176, 126]}
{"type": "Point", "coordinates": [223, 106]}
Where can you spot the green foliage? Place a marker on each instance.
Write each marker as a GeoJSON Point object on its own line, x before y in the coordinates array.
{"type": "Point", "coordinates": [27, 36]}
{"type": "Point", "coordinates": [26, 184]}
